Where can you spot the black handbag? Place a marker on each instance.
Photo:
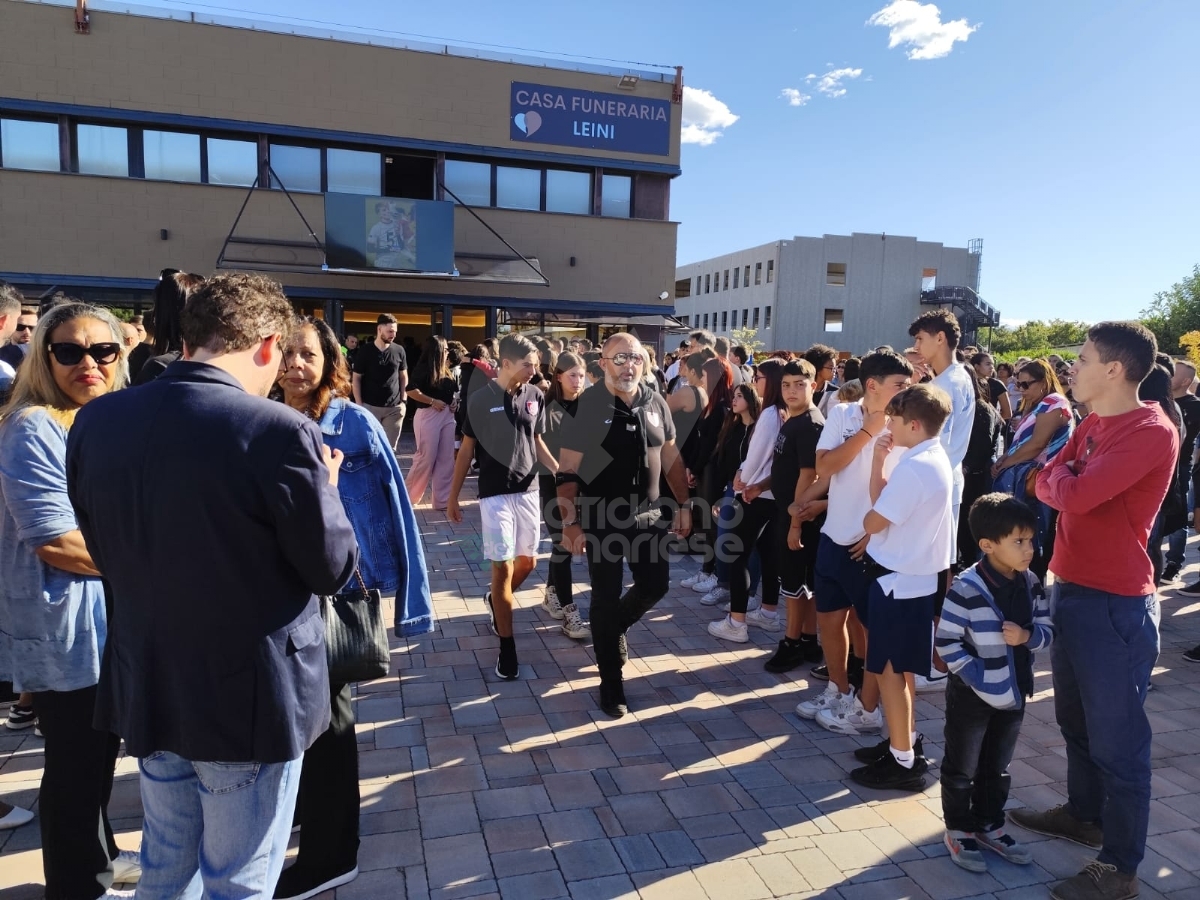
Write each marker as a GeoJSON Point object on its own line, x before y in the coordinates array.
{"type": "Point", "coordinates": [356, 638]}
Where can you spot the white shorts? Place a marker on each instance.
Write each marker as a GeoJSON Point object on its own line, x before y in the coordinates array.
{"type": "Point", "coordinates": [512, 525]}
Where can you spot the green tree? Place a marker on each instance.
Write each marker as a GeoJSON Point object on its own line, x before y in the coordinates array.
{"type": "Point", "coordinates": [1175, 312]}
{"type": "Point", "coordinates": [1036, 337]}
{"type": "Point", "coordinates": [748, 338]}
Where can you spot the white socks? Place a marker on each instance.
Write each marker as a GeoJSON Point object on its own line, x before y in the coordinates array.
{"type": "Point", "coordinates": [906, 758]}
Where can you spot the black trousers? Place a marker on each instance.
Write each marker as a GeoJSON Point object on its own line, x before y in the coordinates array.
{"type": "Point", "coordinates": [77, 839]}
{"type": "Point", "coordinates": [327, 805]}
{"type": "Point", "coordinates": [559, 574]}
{"type": "Point", "coordinates": [975, 485]}
{"type": "Point", "coordinates": [613, 613]}
{"type": "Point", "coordinates": [756, 530]}
{"type": "Point", "coordinates": [980, 740]}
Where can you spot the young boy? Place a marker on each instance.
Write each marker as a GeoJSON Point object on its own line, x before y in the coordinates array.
{"type": "Point", "coordinates": [793, 471]}
{"type": "Point", "coordinates": [843, 465]}
{"type": "Point", "coordinates": [898, 618]}
{"type": "Point", "coordinates": [994, 619]}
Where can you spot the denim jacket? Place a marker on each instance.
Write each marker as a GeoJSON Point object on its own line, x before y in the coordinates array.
{"type": "Point", "coordinates": [371, 486]}
{"type": "Point", "coordinates": [52, 623]}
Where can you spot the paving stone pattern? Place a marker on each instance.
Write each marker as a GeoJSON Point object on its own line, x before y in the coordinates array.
{"type": "Point", "coordinates": [711, 787]}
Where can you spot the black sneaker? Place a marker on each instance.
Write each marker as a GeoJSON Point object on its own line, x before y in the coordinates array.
{"type": "Point", "coordinates": [821, 672]}
{"type": "Point", "coordinates": [1192, 655]}
{"type": "Point", "coordinates": [876, 751]}
{"type": "Point", "coordinates": [812, 650]}
{"type": "Point", "coordinates": [487, 598]}
{"type": "Point", "coordinates": [1193, 589]}
{"type": "Point", "coordinates": [298, 883]}
{"type": "Point", "coordinates": [886, 774]}
{"type": "Point", "coordinates": [20, 718]}
{"type": "Point", "coordinates": [507, 666]}
{"type": "Point", "coordinates": [1171, 571]}
{"type": "Point", "coordinates": [612, 698]}
{"type": "Point", "coordinates": [790, 655]}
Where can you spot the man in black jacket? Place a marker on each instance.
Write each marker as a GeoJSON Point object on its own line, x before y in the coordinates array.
{"type": "Point", "coordinates": [214, 514]}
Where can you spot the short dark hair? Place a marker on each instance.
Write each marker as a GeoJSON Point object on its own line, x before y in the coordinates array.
{"type": "Point", "coordinates": [1131, 344]}
{"type": "Point", "coordinates": [386, 319]}
{"type": "Point", "coordinates": [229, 313]}
{"type": "Point", "coordinates": [883, 364]}
{"type": "Point", "coordinates": [924, 403]}
{"type": "Point", "coordinates": [935, 321]}
{"type": "Point", "coordinates": [820, 356]}
{"type": "Point", "coordinates": [595, 371]}
{"type": "Point", "coordinates": [993, 517]}
{"type": "Point", "coordinates": [741, 353]}
{"type": "Point", "coordinates": [514, 347]}
{"type": "Point", "coordinates": [852, 367]}
{"type": "Point", "coordinates": [10, 300]}
{"type": "Point", "coordinates": [799, 367]}
{"type": "Point", "coordinates": [721, 345]}
{"type": "Point", "coordinates": [703, 337]}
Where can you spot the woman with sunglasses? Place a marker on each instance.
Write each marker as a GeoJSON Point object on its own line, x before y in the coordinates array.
{"type": "Point", "coordinates": [315, 381]}
{"type": "Point", "coordinates": [53, 608]}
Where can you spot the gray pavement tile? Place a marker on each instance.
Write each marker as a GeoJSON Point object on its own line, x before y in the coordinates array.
{"type": "Point", "coordinates": [573, 790]}
{"type": "Point", "coordinates": [538, 886]}
{"type": "Point", "coordinates": [447, 815]}
{"type": "Point", "coordinates": [638, 853]}
{"type": "Point", "coordinates": [610, 887]}
{"type": "Point", "coordinates": [506, 803]}
{"type": "Point", "coordinates": [572, 825]}
{"type": "Point", "coordinates": [523, 862]}
{"type": "Point", "coordinates": [587, 859]}
{"type": "Point", "coordinates": [642, 814]}
{"type": "Point", "coordinates": [521, 833]}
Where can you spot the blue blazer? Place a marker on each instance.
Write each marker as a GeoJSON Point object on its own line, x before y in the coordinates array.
{"type": "Point", "coordinates": [210, 512]}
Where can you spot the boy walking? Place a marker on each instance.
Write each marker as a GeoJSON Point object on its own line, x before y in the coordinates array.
{"type": "Point", "coordinates": [994, 619]}
{"type": "Point", "coordinates": [906, 587]}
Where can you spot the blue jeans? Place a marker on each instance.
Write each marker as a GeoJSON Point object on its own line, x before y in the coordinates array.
{"type": "Point", "coordinates": [726, 524]}
{"type": "Point", "coordinates": [214, 829]}
{"type": "Point", "coordinates": [1103, 652]}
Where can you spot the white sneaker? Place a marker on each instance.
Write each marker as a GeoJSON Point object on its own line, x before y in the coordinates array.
{"type": "Point", "coordinates": [127, 867]}
{"type": "Point", "coordinates": [830, 698]}
{"type": "Point", "coordinates": [935, 682]}
{"type": "Point", "coordinates": [15, 818]}
{"type": "Point", "coordinates": [851, 718]}
{"type": "Point", "coordinates": [573, 625]}
{"type": "Point", "coordinates": [705, 584]}
{"type": "Point", "coordinates": [729, 630]}
{"type": "Point", "coordinates": [691, 580]}
{"type": "Point", "coordinates": [752, 603]}
{"type": "Point", "coordinates": [550, 603]}
{"type": "Point", "coordinates": [767, 623]}
{"type": "Point", "coordinates": [114, 894]}
{"type": "Point", "coordinates": [715, 596]}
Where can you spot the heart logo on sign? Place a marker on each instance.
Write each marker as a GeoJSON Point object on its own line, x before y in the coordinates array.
{"type": "Point", "coordinates": [528, 122]}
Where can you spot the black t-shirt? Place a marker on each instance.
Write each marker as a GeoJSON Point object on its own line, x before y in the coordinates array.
{"type": "Point", "coordinates": [1189, 408]}
{"type": "Point", "coordinates": [504, 427]}
{"type": "Point", "coordinates": [443, 390]}
{"type": "Point", "coordinates": [997, 389]}
{"type": "Point", "coordinates": [621, 444]}
{"type": "Point", "coordinates": [795, 449]}
{"type": "Point", "coordinates": [984, 446]}
{"type": "Point", "coordinates": [380, 371]}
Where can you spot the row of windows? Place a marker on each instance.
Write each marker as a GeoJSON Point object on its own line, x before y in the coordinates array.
{"type": "Point", "coordinates": [728, 319]}
{"type": "Point", "coordinates": [131, 152]}
{"type": "Point", "coordinates": [706, 284]}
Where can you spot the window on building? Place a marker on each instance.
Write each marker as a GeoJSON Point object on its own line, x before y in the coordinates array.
{"type": "Point", "coordinates": [770, 270]}
{"type": "Point", "coordinates": [232, 162]}
{"type": "Point", "coordinates": [736, 273]}
{"type": "Point", "coordinates": [102, 150]}
{"type": "Point", "coordinates": [733, 318]}
{"type": "Point", "coordinates": [616, 193]}
{"type": "Point", "coordinates": [758, 273]}
{"type": "Point", "coordinates": [745, 318]}
{"type": "Point", "coordinates": [767, 317]}
{"type": "Point", "coordinates": [708, 284]}
{"type": "Point", "coordinates": [29, 145]}
{"type": "Point", "coordinates": [471, 182]}
{"type": "Point", "coordinates": [296, 168]}
{"type": "Point", "coordinates": [171, 155]}
{"type": "Point", "coordinates": [699, 278]}
{"type": "Point", "coordinates": [706, 320]}
{"type": "Point", "coordinates": [835, 273]}
{"type": "Point", "coordinates": [726, 282]}
{"type": "Point", "coordinates": [755, 317]}
{"type": "Point", "coordinates": [518, 188]}
{"type": "Point", "coordinates": [683, 288]}
{"type": "Point", "coordinates": [724, 320]}
{"type": "Point", "coordinates": [353, 172]}
{"type": "Point", "coordinates": [928, 279]}
{"type": "Point", "coordinates": [746, 277]}
{"type": "Point", "coordinates": [568, 192]}
{"type": "Point", "coordinates": [833, 319]}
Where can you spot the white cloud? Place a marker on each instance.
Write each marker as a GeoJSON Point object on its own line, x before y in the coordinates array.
{"type": "Point", "coordinates": [830, 84]}
{"type": "Point", "coordinates": [920, 27]}
{"type": "Point", "coordinates": [795, 97]}
{"type": "Point", "coordinates": [705, 118]}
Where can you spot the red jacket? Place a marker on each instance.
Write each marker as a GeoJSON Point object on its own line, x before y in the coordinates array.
{"type": "Point", "coordinates": [1109, 482]}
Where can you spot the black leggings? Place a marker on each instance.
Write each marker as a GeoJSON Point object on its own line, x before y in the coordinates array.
{"type": "Point", "coordinates": [558, 575]}
{"type": "Point", "coordinates": [755, 529]}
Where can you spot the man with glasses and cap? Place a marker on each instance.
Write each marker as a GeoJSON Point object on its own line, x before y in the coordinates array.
{"type": "Point", "coordinates": [613, 452]}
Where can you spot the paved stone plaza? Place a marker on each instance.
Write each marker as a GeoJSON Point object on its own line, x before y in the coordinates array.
{"type": "Point", "coordinates": [712, 787]}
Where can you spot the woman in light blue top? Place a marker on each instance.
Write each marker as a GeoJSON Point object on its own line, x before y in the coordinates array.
{"type": "Point", "coordinates": [53, 619]}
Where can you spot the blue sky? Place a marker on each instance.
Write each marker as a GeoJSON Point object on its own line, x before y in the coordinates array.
{"type": "Point", "coordinates": [1063, 133]}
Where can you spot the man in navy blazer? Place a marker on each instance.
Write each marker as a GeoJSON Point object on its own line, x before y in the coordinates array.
{"type": "Point", "coordinates": [214, 514]}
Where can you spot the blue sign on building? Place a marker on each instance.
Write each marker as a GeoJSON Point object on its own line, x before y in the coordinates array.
{"type": "Point", "coordinates": [542, 114]}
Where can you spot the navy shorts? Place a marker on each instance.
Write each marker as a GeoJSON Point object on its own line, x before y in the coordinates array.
{"type": "Point", "coordinates": [900, 632]}
{"type": "Point", "coordinates": [839, 581]}
{"type": "Point", "coordinates": [797, 568]}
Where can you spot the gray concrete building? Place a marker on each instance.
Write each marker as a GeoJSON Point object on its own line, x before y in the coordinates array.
{"type": "Point", "coordinates": [852, 292]}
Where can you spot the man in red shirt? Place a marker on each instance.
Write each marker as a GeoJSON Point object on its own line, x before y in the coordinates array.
{"type": "Point", "coordinates": [1108, 484]}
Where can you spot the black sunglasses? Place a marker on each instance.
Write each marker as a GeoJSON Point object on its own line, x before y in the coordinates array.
{"type": "Point", "coordinates": [25, 327]}
{"type": "Point", "coordinates": [72, 354]}
{"type": "Point", "coordinates": [1025, 385]}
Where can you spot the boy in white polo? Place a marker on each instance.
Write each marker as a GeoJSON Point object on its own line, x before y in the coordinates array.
{"type": "Point", "coordinates": [906, 573]}
{"type": "Point", "coordinates": [505, 420]}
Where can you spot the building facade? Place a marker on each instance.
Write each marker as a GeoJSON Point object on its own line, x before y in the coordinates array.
{"type": "Point", "coordinates": [851, 292]}
{"type": "Point", "coordinates": [133, 148]}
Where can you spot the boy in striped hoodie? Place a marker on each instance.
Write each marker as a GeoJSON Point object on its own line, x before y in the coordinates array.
{"type": "Point", "coordinates": [995, 616]}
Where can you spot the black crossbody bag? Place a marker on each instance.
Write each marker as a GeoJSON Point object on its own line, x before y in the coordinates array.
{"type": "Point", "coordinates": [356, 638]}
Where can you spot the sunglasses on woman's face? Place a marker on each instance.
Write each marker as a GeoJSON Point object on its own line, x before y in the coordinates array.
{"type": "Point", "coordinates": [67, 354]}
{"type": "Point", "coordinates": [1025, 385]}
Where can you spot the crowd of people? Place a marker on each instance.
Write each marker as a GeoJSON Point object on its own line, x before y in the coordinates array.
{"type": "Point", "coordinates": [892, 517]}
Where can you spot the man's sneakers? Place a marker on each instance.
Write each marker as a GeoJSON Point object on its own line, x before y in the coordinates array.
{"type": "Point", "coordinates": [850, 718]}
{"type": "Point", "coordinates": [821, 672]}
{"type": "Point", "coordinates": [1192, 655]}
{"type": "Point", "coordinates": [127, 867]}
{"type": "Point", "coordinates": [612, 698]}
{"type": "Point", "coordinates": [20, 718]}
{"type": "Point", "coordinates": [1058, 822]}
{"type": "Point", "coordinates": [691, 581]}
{"type": "Point", "coordinates": [887, 774]}
{"type": "Point", "coordinates": [487, 598]}
{"type": "Point", "coordinates": [15, 817]}
{"type": "Point", "coordinates": [934, 683]}
{"type": "Point", "coordinates": [507, 666]}
{"type": "Point", "coordinates": [764, 620]}
{"type": "Point", "coordinates": [705, 584]}
{"type": "Point", "coordinates": [729, 630]}
{"type": "Point", "coordinates": [298, 883]}
{"type": "Point", "coordinates": [550, 603]}
{"type": "Point", "coordinates": [573, 625]}
{"type": "Point", "coordinates": [790, 655]}
{"type": "Point", "coordinates": [830, 698]}
{"type": "Point", "coordinates": [964, 850]}
{"type": "Point", "coordinates": [1170, 572]}
{"type": "Point", "coordinates": [715, 596]}
{"type": "Point", "coordinates": [876, 751]}
{"type": "Point", "coordinates": [1004, 845]}
{"type": "Point", "coordinates": [1191, 589]}
{"type": "Point", "coordinates": [1097, 881]}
